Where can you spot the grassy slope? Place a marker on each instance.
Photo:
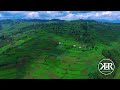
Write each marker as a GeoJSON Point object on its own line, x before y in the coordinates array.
{"type": "Point", "coordinates": [40, 56]}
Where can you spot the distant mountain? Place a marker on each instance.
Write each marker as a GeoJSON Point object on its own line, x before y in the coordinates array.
{"type": "Point", "coordinates": [112, 21]}
{"type": "Point", "coordinates": [98, 20]}
{"type": "Point", "coordinates": [56, 20]}
{"type": "Point", "coordinates": [30, 20]}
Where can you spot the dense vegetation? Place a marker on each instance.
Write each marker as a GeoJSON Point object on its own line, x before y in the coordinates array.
{"type": "Point", "coordinates": [57, 49]}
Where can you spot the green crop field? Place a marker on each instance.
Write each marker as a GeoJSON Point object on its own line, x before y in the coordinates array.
{"type": "Point", "coordinates": [57, 50]}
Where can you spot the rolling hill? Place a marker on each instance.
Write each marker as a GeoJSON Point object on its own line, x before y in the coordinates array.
{"type": "Point", "coordinates": [57, 49]}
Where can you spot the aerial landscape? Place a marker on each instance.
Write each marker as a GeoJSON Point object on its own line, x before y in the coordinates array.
{"type": "Point", "coordinates": [58, 44]}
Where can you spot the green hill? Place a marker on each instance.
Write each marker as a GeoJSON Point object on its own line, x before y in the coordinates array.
{"type": "Point", "coordinates": [57, 49]}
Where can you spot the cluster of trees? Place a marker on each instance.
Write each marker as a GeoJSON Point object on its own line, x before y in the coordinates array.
{"type": "Point", "coordinates": [1, 26]}
{"type": "Point", "coordinates": [86, 33]}
{"type": "Point", "coordinates": [114, 55]}
{"type": "Point", "coordinates": [98, 75]}
{"type": "Point", "coordinates": [80, 32]}
{"type": "Point", "coordinates": [5, 38]}
{"type": "Point", "coordinates": [88, 36]}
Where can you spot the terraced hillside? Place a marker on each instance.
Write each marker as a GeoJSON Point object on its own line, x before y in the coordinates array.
{"type": "Point", "coordinates": [57, 49]}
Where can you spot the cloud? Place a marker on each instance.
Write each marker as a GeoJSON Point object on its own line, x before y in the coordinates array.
{"type": "Point", "coordinates": [0, 15]}
{"type": "Point", "coordinates": [53, 13]}
{"type": "Point", "coordinates": [32, 15]}
{"type": "Point", "coordinates": [66, 15]}
{"type": "Point", "coordinates": [15, 12]}
{"type": "Point", "coordinates": [87, 15]}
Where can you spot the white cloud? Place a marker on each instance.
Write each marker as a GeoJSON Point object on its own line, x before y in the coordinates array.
{"type": "Point", "coordinates": [100, 14]}
{"type": "Point", "coordinates": [32, 15]}
{"type": "Point", "coordinates": [53, 13]}
{"type": "Point", "coordinates": [90, 15]}
{"type": "Point", "coordinates": [107, 13]}
{"type": "Point", "coordinates": [71, 16]}
{"type": "Point", "coordinates": [15, 12]}
{"type": "Point", "coordinates": [67, 15]}
{"type": "Point", "coordinates": [0, 15]}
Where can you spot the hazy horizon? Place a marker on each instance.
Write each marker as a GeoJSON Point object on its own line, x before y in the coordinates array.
{"type": "Point", "coordinates": [104, 16]}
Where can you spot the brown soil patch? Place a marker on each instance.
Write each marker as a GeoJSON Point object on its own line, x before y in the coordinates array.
{"type": "Point", "coordinates": [88, 62]}
{"type": "Point", "coordinates": [83, 72]}
{"type": "Point", "coordinates": [52, 75]}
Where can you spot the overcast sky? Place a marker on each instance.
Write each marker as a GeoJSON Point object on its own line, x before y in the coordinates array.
{"type": "Point", "coordinates": [65, 15]}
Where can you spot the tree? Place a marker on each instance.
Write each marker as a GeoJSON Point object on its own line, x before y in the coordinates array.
{"type": "Point", "coordinates": [0, 26]}
{"type": "Point", "coordinates": [113, 54]}
{"type": "Point", "coordinates": [87, 36]}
